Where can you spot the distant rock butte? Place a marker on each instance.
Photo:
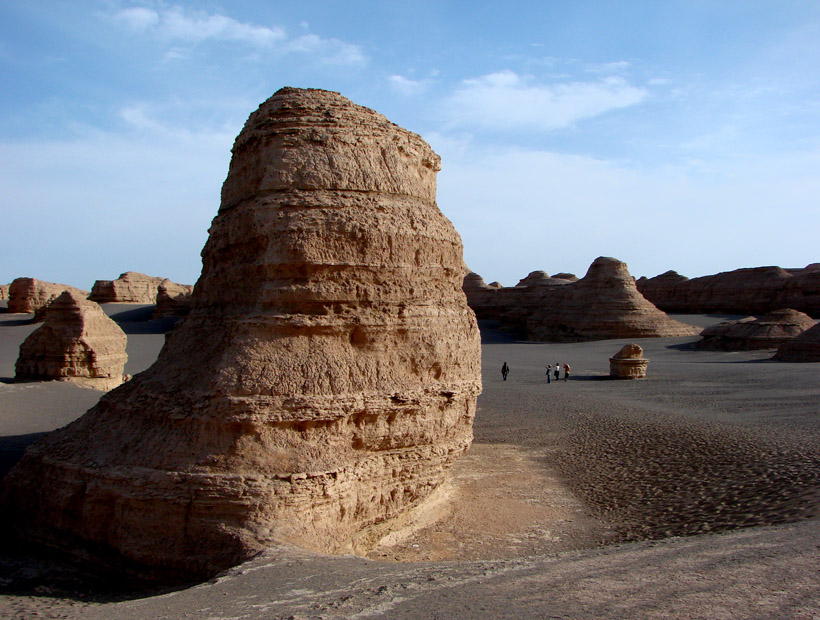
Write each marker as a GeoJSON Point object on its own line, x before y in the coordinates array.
{"type": "Point", "coordinates": [27, 295]}
{"type": "Point", "coordinates": [754, 291]}
{"type": "Point", "coordinates": [77, 343]}
{"type": "Point", "coordinates": [628, 363]}
{"type": "Point", "coordinates": [766, 332]}
{"type": "Point", "coordinates": [603, 304]}
{"type": "Point", "coordinates": [173, 299]}
{"type": "Point", "coordinates": [130, 287]}
{"type": "Point", "coordinates": [324, 380]}
{"type": "Point", "coordinates": [802, 348]}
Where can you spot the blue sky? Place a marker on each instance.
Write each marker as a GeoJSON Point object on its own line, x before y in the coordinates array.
{"type": "Point", "coordinates": [670, 135]}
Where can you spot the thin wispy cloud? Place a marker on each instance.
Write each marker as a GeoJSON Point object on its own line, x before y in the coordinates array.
{"type": "Point", "coordinates": [507, 100]}
{"type": "Point", "coordinates": [407, 87]}
{"type": "Point", "coordinates": [178, 27]}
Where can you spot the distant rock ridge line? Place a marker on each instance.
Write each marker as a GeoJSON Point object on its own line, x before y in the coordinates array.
{"type": "Point", "coordinates": [604, 304]}
{"type": "Point", "coordinates": [753, 291]}
{"type": "Point", "coordinates": [323, 382]}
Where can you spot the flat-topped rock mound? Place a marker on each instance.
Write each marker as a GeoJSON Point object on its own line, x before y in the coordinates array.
{"type": "Point", "coordinates": [753, 291]}
{"type": "Point", "coordinates": [323, 381]}
{"type": "Point", "coordinates": [77, 342]}
{"type": "Point", "coordinates": [766, 332]}
{"type": "Point", "coordinates": [131, 287]}
{"type": "Point", "coordinates": [27, 295]}
{"type": "Point", "coordinates": [802, 348]}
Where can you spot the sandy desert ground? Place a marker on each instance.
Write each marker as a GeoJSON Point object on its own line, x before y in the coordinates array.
{"type": "Point", "coordinates": [691, 494]}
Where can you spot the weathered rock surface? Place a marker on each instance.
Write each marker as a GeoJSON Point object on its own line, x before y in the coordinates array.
{"type": "Point", "coordinates": [802, 348]}
{"type": "Point", "coordinates": [130, 287]}
{"type": "Point", "coordinates": [323, 381]}
{"type": "Point", "coordinates": [77, 343]}
{"type": "Point", "coordinates": [4, 291]}
{"type": "Point", "coordinates": [28, 295]}
{"type": "Point", "coordinates": [173, 299]}
{"type": "Point", "coordinates": [766, 332]}
{"type": "Point", "coordinates": [628, 363]}
{"type": "Point", "coordinates": [603, 304]}
{"type": "Point", "coordinates": [754, 291]}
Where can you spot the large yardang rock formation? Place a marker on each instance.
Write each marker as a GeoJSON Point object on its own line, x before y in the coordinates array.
{"type": "Point", "coordinates": [324, 380]}
{"type": "Point", "coordinates": [754, 291]}
{"type": "Point", "coordinates": [802, 348]}
{"type": "Point", "coordinates": [77, 343]}
{"type": "Point", "coordinates": [28, 295]}
{"type": "Point", "coordinates": [766, 332]}
{"type": "Point", "coordinates": [603, 304]}
{"type": "Point", "coordinates": [173, 299]}
{"type": "Point", "coordinates": [130, 287]}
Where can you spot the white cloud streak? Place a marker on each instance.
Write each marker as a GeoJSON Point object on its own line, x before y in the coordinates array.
{"type": "Point", "coordinates": [407, 87]}
{"type": "Point", "coordinates": [506, 100]}
{"type": "Point", "coordinates": [177, 27]}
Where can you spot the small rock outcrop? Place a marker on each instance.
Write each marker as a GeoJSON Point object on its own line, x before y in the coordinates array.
{"type": "Point", "coordinates": [324, 380]}
{"type": "Point", "coordinates": [173, 299]}
{"type": "Point", "coordinates": [76, 343]}
{"type": "Point", "coordinates": [766, 332]}
{"type": "Point", "coordinates": [603, 304]}
{"type": "Point", "coordinates": [628, 363]}
{"type": "Point", "coordinates": [27, 295]}
{"type": "Point", "coordinates": [802, 348]}
{"type": "Point", "coordinates": [4, 291]}
{"type": "Point", "coordinates": [753, 291]}
{"type": "Point", "coordinates": [130, 288]}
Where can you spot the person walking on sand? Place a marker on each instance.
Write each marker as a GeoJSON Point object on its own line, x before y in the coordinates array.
{"type": "Point", "coordinates": [566, 371]}
{"type": "Point", "coordinates": [505, 370]}
{"type": "Point", "coordinates": [549, 373]}
{"type": "Point", "coordinates": [557, 370]}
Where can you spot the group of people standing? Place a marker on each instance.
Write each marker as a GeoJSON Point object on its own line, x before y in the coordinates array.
{"type": "Point", "coordinates": [556, 371]}
{"type": "Point", "coordinates": [551, 371]}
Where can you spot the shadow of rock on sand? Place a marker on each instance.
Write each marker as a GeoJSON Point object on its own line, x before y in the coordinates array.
{"type": "Point", "coordinates": [12, 448]}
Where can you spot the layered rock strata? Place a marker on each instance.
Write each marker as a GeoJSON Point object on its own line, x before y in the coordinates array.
{"type": "Point", "coordinates": [802, 348]}
{"type": "Point", "coordinates": [173, 299]}
{"type": "Point", "coordinates": [131, 287]}
{"type": "Point", "coordinates": [324, 380]}
{"type": "Point", "coordinates": [754, 291]}
{"type": "Point", "coordinates": [628, 363]}
{"type": "Point", "coordinates": [603, 304]}
{"type": "Point", "coordinates": [766, 332]}
{"type": "Point", "coordinates": [77, 343]}
{"type": "Point", "coordinates": [27, 295]}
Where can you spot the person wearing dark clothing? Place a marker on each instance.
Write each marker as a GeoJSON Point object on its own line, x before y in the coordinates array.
{"type": "Point", "coordinates": [557, 370]}
{"type": "Point", "coordinates": [549, 373]}
{"type": "Point", "coordinates": [505, 370]}
{"type": "Point", "coordinates": [566, 372]}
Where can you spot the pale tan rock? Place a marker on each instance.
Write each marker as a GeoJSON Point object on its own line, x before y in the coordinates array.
{"type": "Point", "coordinates": [28, 295]}
{"type": "Point", "coordinates": [324, 380]}
{"type": "Point", "coordinates": [76, 343]}
{"type": "Point", "coordinates": [4, 291]}
{"type": "Point", "coordinates": [802, 348]}
{"type": "Point", "coordinates": [766, 332]}
{"type": "Point", "coordinates": [130, 287]}
{"type": "Point", "coordinates": [628, 363]}
{"type": "Point", "coordinates": [173, 299]}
